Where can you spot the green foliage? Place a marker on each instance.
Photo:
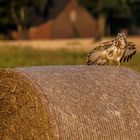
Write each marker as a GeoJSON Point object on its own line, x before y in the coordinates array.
{"type": "Point", "coordinates": [18, 13]}
{"type": "Point", "coordinates": [118, 8]}
{"type": "Point", "coordinates": [89, 4]}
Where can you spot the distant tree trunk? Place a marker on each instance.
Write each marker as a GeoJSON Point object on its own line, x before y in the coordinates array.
{"type": "Point", "coordinates": [101, 24]}
{"type": "Point", "coordinates": [21, 26]}
{"type": "Point", "coordinates": [20, 30]}
{"type": "Point", "coordinates": [73, 20]}
{"type": "Point", "coordinates": [20, 22]}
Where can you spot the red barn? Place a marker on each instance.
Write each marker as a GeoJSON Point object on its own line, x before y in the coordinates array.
{"type": "Point", "coordinates": [73, 21]}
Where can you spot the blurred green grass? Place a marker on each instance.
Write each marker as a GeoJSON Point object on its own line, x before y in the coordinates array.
{"type": "Point", "coordinates": [20, 57]}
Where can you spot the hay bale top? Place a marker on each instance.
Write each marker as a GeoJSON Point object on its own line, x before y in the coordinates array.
{"type": "Point", "coordinates": [77, 102]}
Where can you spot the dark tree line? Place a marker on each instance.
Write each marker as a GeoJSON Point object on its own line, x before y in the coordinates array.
{"type": "Point", "coordinates": [110, 14]}
{"type": "Point", "coordinates": [114, 14]}
{"type": "Point", "coordinates": [20, 15]}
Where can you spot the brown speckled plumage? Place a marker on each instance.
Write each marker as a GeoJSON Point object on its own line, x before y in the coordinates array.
{"type": "Point", "coordinates": [117, 50]}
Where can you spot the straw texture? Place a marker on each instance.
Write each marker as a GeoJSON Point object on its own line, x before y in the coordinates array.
{"type": "Point", "coordinates": [69, 103]}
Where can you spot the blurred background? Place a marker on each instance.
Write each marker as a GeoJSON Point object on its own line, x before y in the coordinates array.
{"type": "Point", "coordinates": [62, 32]}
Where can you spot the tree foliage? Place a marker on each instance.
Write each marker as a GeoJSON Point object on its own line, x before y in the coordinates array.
{"type": "Point", "coordinates": [118, 8]}
{"type": "Point", "coordinates": [21, 14]}
{"type": "Point", "coordinates": [124, 10]}
{"type": "Point", "coordinates": [18, 14]}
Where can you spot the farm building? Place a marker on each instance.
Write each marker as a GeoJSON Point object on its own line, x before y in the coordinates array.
{"type": "Point", "coordinates": [72, 21]}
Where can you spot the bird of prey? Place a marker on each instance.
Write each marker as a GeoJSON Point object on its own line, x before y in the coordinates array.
{"type": "Point", "coordinates": [117, 50]}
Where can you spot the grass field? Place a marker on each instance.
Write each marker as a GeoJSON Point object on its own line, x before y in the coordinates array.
{"type": "Point", "coordinates": [20, 57]}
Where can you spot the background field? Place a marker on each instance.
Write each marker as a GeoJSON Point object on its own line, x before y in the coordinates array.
{"type": "Point", "coordinates": [16, 56]}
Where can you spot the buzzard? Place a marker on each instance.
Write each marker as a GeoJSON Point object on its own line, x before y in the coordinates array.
{"type": "Point", "coordinates": [117, 50]}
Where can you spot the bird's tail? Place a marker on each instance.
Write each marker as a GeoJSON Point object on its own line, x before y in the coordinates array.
{"type": "Point", "coordinates": [94, 58]}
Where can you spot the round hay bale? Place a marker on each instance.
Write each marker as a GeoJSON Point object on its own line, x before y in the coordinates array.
{"type": "Point", "coordinates": [69, 103]}
{"type": "Point", "coordinates": [22, 115]}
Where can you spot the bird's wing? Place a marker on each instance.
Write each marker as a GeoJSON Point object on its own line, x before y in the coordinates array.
{"type": "Point", "coordinates": [129, 51]}
{"type": "Point", "coordinates": [94, 55]}
{"type": "Point", "coordinates": [104, 45]}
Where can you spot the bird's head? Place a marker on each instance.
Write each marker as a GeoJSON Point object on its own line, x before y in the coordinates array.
{"type": "Point", "coordinates": [121, 36]}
